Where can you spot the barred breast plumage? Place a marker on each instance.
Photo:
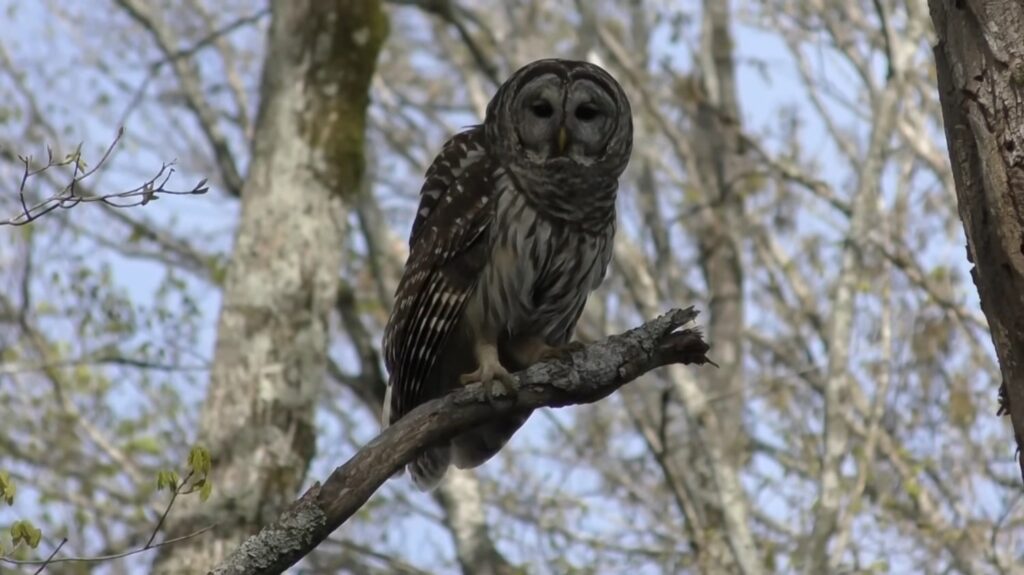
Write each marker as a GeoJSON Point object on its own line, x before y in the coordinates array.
{"type": "Point", "coordinates": [540, 272]}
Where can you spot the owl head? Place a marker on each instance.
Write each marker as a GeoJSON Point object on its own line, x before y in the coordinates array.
{"type": "Point", "coordinates": [561, 116]}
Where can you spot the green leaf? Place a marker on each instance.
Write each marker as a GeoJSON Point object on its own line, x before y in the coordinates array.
{"type": "Point", "coordinates": [199, 460]}
{"type": "Point", "coordinates": [205, 490]}
{"type": "Point", "coordinates": [147, 444]}
{"type": "Point", "coordinates": [24, 532]}
{"type": "Point", "coordinates": [880, 566]}
{"type": "Point", "coordinates": [7, 488]}
{"type": "Point", "coordinates": [166, 479]}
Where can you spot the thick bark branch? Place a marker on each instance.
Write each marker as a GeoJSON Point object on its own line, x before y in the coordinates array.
{"type": "Point", "coordinates": [586, 377]}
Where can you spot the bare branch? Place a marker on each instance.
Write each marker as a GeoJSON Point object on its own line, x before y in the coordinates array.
{"type": "Point", "coordinates": [70, 194]}
{"type": "Point", "coordinates": [191, 88]}
{"type": "Point", "coordinates": [451, 13]}
{"type": "Point", "coordinates": [827, 510]}
{"type": "Point", "coordinates": [588, 376]}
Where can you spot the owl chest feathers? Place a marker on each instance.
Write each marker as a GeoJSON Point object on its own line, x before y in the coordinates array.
{"type": "Point", "coordinates": [540, 271]}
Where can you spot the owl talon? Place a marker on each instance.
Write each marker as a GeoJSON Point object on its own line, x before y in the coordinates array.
{"type": "Point", "coordinates": [499, 384]}
{"type": "Point", "coordinates": [501, 388]}
{"type": "Point", "coordinates": [556, 353]}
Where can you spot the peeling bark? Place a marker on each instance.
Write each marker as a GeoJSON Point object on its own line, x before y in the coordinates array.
{"type": "Point", "coordinates": [980, 62]}
{"type": "Point", "coordinates": [270, 357]}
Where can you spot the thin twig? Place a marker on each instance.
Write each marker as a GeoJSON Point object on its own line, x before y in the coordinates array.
{"type": "Point", "coordinates": [178, 490]}
{"type": "Point", "coordinates": [52, 555]}
{"type": "Point", "coordinates": [68, 197]}
{"type": "Point", "coordinates": [110, 557]}
{"type": "Point", "coordinates": [884, 22]}
{"type": "Point", "coordinates": [167, 509]}
{"type": "Point", "coordinates": [210, 38]}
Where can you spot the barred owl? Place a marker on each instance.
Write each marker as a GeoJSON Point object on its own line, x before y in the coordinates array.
{"type": "Point", "coordinates": [514, 230]}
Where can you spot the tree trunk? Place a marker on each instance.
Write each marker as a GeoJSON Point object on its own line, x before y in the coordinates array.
{"type": "Point", "coordinates": [719, 156]}
{"type": "Point", "coordinates": [980, 64]}
{"type": "Point", "coordinates": [460, 497]}
{"type": "Point", "coordinates": [272, 339]}
{"type": "Point", "coordinates": [719, 169]}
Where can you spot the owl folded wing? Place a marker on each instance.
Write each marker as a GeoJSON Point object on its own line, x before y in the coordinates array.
{"type": "Point", "coordinates": [447, 253]}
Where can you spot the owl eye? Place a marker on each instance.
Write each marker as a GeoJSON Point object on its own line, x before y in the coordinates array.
{"type": "Point", "coordinates": [586, 112]}
{"type": "Point", "coordinates": [542, 109]}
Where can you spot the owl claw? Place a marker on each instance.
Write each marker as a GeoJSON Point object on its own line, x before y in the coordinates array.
{"type": "Point", "coordinates": [560, 352]}
{"type": "Point", "coordinates": [498, 383]}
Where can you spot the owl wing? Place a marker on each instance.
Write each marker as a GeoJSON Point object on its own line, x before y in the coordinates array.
{"type": "Point", "coordinates": [447, 254]}
{"type": "Point", "coordinates": [460, 152]}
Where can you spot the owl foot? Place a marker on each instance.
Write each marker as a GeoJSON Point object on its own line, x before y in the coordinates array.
{"type": "Point", "coordinates": [497, 381]}
{"type": "Point", "coordinates": [560, 352]}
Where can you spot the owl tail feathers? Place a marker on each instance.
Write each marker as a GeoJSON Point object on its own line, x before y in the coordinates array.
{"type": "Point", "coordinates": [429, 467]}
{"type": "Point", "coordinates": [472, 448]}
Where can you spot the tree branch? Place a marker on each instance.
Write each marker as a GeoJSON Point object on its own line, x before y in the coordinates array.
{"type": "Point", "coordinates": [71, 194]}
{"type": "Point", "coordinates": [587, 376]}
{"type": "Point", "coordinates": [191, 86]}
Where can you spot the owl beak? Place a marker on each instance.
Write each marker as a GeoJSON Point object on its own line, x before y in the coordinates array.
{"type": "Point", "coordinates": [563, 139]}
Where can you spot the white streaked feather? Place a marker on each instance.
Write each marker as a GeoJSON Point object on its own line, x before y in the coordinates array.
{"type": "Point", "coordinates": [570, 264]}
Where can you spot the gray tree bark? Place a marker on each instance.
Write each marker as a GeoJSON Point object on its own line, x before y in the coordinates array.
{"type": "Point", "coordinates": [270, 356]}
{"type": "Point", "coordinates": [980, 63]}
{"type": "Point", "coordinates": [719, 159]}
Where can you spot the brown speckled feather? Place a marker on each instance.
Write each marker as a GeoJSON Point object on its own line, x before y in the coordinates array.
{"type": "Point", "coordinates": [443, 267]}
{"type": "Point", "coordinates": [459, 152]}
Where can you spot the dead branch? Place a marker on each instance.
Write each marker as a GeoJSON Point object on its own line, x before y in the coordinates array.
{"type": "Point", "coordinates": [70, 195]}
{"type": "Point", "coordinates": [586, 377]}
